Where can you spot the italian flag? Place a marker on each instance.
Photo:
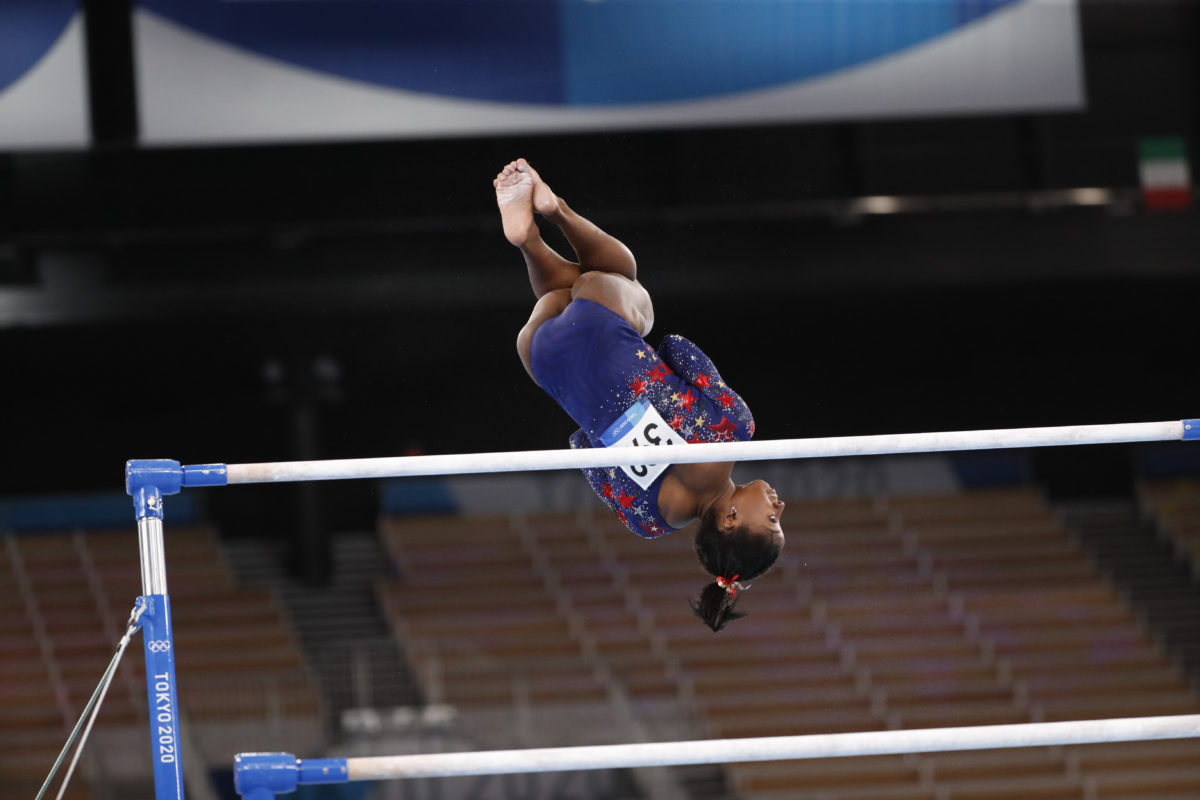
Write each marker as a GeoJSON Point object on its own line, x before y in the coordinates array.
{"type": "Point", "coordinates": [1166, 179]}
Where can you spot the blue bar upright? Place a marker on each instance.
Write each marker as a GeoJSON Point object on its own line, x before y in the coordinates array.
{"type": "Point", "coordinates": [162, 698]}
{"type": "Point", "coordinates": [147, 481]}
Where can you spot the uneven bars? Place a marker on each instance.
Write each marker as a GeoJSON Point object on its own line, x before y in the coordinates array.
{"type": "Point", "coordinates": [251, 769]}
{"type": "Point", "coordinates": [774, 449]}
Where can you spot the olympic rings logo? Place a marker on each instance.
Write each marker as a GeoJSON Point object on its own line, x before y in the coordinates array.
{"type": "Point", "coordinates": [158, 646]}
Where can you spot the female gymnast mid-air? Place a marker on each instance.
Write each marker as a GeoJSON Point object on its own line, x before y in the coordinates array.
{"type": "Point", "coordinates": [583, 345]}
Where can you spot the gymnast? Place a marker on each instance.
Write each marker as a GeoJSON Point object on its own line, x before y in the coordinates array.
{"type": "Point", "coordinates": [583, 346]}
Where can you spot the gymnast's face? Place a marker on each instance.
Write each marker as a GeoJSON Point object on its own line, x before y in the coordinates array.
{"type": "Point", "coordinates": [756, 506]}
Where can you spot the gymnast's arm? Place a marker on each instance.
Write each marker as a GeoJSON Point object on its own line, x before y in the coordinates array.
{"type": "Point", "coordinates": [690, 363]}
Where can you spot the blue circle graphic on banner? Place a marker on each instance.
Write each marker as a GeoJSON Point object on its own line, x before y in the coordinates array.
{"type": "Point", "coordinates": [28, 29]}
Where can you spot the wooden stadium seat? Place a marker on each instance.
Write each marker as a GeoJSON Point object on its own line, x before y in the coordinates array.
{"type": "Point", "coordinates": [957, 712]}
{"type": "Point", "coordinates": [962, 534]}
{"type": "Point", "coordinates": [784, 722]}
{"type": "Point", "coordinates": [1019, 502]}
{"type": "Point", "coordinates": [1177, 783]}
{"type": "Point", "coordinates": [1119, 704]}
{"type": "Point", "coordinates": [831, 776]}
{"type": "Point", "coordinates": [1024, 787]}
{"type": "Point", "coordinates": [1059, 661]}
{"type": "Point", "coordinates": [985, 765]}
{"type": "Point", "coordinates": [1134, 678]}
{"type": "Point", "coordinates": [1135, 757]}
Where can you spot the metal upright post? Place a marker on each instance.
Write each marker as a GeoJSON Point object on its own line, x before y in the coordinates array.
{"type": "Point", "coordinates": [147, 481]}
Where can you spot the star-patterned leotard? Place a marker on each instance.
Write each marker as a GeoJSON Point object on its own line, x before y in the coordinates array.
{"type": "Point", "coordinates": [597, 367]}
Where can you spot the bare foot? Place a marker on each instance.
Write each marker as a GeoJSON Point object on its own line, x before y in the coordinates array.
{"type": "Point", "coordinates": [514, 196]}
{"type": "Point", "coordinates": [544, 200]}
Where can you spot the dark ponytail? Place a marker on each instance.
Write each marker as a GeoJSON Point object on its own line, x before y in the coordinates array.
{"type": "Point", "coordinates": [714, 607]}
{"type": "Point", "coordinates": [732, 557]}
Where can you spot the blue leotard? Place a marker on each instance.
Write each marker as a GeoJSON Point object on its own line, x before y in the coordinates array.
{"type": "Point", "coordinates": [598, 369]}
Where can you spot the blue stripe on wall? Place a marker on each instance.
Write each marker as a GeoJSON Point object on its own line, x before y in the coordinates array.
{"type": "Point", "coordinates": [417, 496]}
{"type": "Point", "coordinates": [991, 469]}
{"type": "Point", "coordinates": [68, 512]}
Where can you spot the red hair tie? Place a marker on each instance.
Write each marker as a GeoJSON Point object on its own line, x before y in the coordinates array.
{"type": "Point", "coordinates": [729, 585]}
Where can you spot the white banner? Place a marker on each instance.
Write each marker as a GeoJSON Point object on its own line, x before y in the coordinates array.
{"type": "Point", "coordinates": [210, 71]}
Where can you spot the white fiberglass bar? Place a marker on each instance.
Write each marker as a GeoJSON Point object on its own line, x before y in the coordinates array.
{"type": "Point", "coordinates": [766, 450]}
{"type": "Point", "coordinates": [773, 748]}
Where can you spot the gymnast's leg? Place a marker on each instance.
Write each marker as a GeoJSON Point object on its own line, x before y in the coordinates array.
{"type": "Point", "coordinates": [520, 192]}
{"type": "Point", "coordinates": [609, 266]}
{"type": "Point", "coordinates": [595, 250]}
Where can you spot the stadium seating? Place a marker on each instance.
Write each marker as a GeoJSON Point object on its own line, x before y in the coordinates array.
{"type": "Point", "coordinates": [65, 599]}
{"type": "Point", "coordinates": [973, 608]}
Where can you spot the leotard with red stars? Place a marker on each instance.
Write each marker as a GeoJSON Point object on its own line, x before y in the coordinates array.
{"type": "Point", "coordinates": [617, 388]}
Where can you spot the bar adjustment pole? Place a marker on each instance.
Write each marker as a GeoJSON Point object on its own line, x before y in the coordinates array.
{"type": "Point", "coordinates": [147, 481]}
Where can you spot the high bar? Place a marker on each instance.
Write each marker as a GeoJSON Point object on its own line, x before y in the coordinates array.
{"type": "Point", "coordinates": [765, 450]}
{"type": "Point", "coordinates": [250, 766]}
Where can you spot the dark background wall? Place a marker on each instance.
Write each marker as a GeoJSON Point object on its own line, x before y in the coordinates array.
{"type": "Point", "coordinates": [144, 291]}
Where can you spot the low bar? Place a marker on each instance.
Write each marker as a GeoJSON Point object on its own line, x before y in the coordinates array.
{"type": "Point", "coordinates": [774, 748]}
{"type": "Point", "coordinates": [766, 450]}
{"type": "Point", "coordinates": [710, 751]}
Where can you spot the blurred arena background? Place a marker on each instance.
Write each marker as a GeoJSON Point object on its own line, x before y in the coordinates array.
{"type": "Point", "coordinates": [261, 231]}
